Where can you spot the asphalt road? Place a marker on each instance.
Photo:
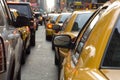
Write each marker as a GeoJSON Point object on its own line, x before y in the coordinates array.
{"type": "Point", "coordinates": [40, 62]}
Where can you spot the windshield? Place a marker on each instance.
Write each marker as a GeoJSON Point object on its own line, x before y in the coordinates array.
{"type": "Point", "coordinates": [22, 9]}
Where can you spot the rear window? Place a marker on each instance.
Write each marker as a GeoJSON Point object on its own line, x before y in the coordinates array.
{"type": "Point", "coordinates": [22, 9]}
{"type": "Point", "coordinates": [54, 18]}
{"type": "Point", "coordinates": [81, 19]}
{"type": "Point", "coordinates": [64, 17]}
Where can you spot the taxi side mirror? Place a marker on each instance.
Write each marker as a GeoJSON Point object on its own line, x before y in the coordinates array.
{"type": "Point", "coordinates": [63, 41]}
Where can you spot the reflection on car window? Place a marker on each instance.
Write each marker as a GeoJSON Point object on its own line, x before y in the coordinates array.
{"type": "Point", "coordinates": [81, 19]}
{"type": "Point", "coordinates": [66, 23]}
{"type": "Point", "coordinates": [64, 17]}
{"type": "Point", "coordinates": [54, 18]}
{"type": "Point", "coordinates": [112, 55]}
{"type": "Point", "coordinates": [22, 9]}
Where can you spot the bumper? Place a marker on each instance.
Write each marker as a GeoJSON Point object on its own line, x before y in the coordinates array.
{"type": "Point", "coordinates": [49, 32]}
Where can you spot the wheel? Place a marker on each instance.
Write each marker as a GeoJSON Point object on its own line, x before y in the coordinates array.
{"type": "Point", "coordinates": [12, 71]}
{"type": "Point", "coordinates": [32, 40]}
{"type": "Point", "coordinates": [59, 72]}
{"type": "Point", "coordinates": [60, 68]}
{"type": "Point", "coordinates": [23, 58]}
{"type": "Point", "coordinates": [56, 60]}
{"type": "Point", "coordinates": [37, 26]}
{"type": "Point", "coordinates": [53, 47]}
{"type": "Point", "coordinates": [19, 74]}
{"type": "Point", "coordinates": [28, 50]}
{"type": "Point", "coordinates": [47, 38]}
{"type": "Point", "coordinates": [40, 22]}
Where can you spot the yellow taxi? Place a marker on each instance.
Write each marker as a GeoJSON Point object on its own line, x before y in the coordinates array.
{"type": "Point", "coordinates": [96, 53]}
{"type": "Point", "coordinates": [71, 27]}
{"type": "Point", "coordinates": [60, 18]}
{"type": "Point", "coordinates": [25, 34]}
{"type": "Point", "coordinates": [74, 23]}
{"type": "Point", "coordinates": [49, 24]}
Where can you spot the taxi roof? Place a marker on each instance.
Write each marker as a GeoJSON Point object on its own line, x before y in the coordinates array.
{"type": "Point", "coordinates": [83, 11]}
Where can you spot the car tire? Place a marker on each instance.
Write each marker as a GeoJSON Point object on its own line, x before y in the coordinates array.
{"type": "Point", "coordinates": [19, 74]}
{"type": "Point", "coordinates": [40, 22]}
{"type": "Point", "coordinates": [32, 40]}
{"type": "Point", "coordinates": [11, 76]}
{"type": "Point", "coordinates": [28, 50]}
{"type": "Point", "coordinates": [59, 72]}
{"type": "Point", "coordinates": [53, 47]}
{"type": "Point", "coordinates": [60, 68]}
{"type": "Point", "coordinates": [56, 60]}
{"type": "Point", "coordinates": [47, 38]}
{"type": "Point", "coordinates": [23, 58]}
{"type": "Point", "coordinates": [37, 26]}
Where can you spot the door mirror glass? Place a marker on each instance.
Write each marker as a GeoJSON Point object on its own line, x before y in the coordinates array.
{"type": "Point", "coordinates": [63, 41]}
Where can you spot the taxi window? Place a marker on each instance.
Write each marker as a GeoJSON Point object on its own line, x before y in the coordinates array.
{"type": "Point", "coordinates": [66, 23]}
{"type": "Point", "coordinates": [112, 54]}
{"type": "Point", "coordinates": [54, 18]}
{"type": "Point", "coordinates": [64, 17]}
{"type": "Point", "coordinates": [81, 19]}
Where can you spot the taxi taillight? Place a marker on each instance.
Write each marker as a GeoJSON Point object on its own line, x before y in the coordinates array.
{"type": "Point", "coordinates": [2, 57]}
{"type": "Point", "coordinates": [49, 26]}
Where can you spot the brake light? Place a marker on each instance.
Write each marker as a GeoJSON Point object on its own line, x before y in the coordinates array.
{"type": "Point", "coordinates": [2, 57]}
{"type": "Point", "coordinates": [49, 26]}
